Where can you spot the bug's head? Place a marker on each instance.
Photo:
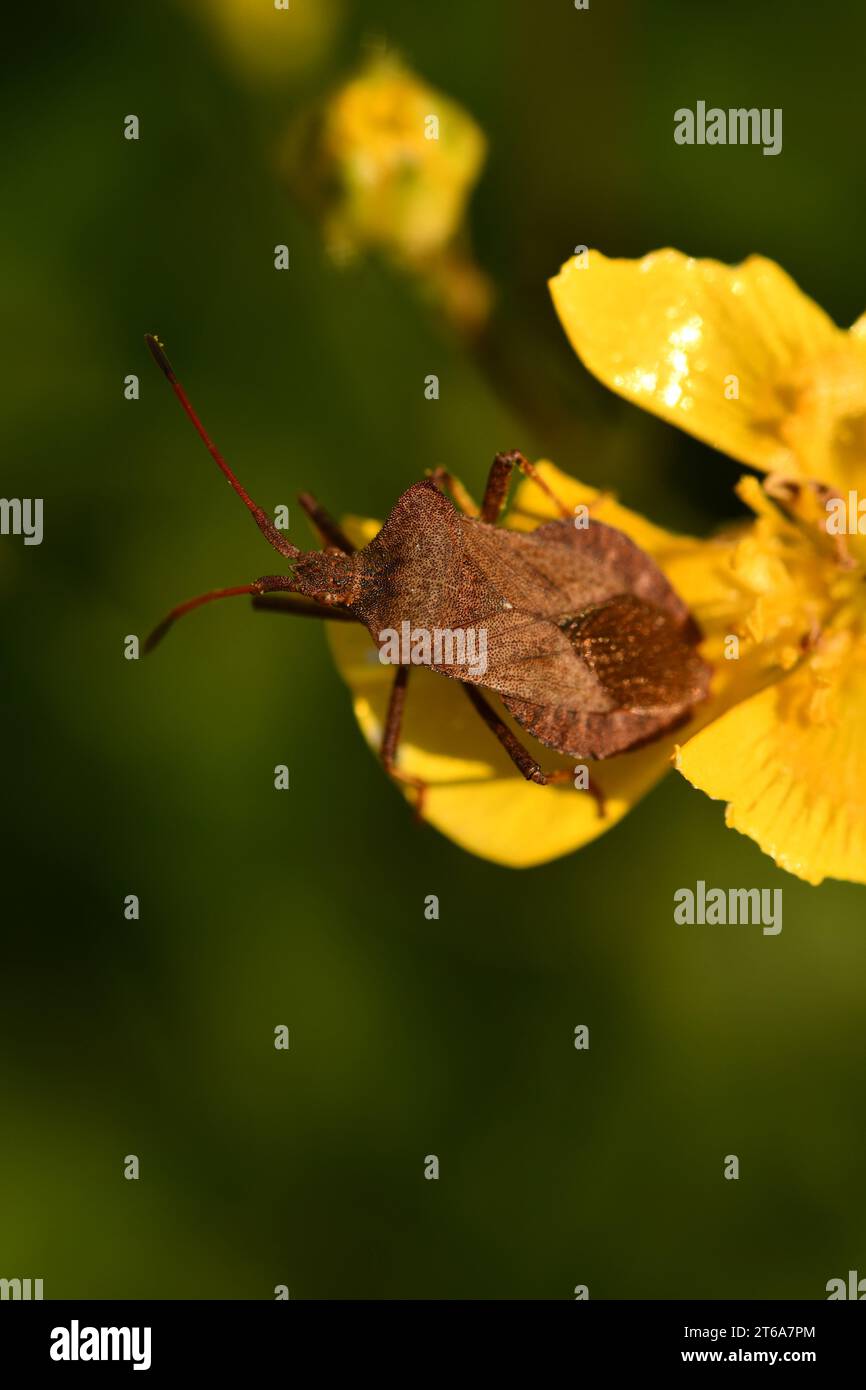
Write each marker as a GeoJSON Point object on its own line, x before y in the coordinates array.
{"type": "Point", "coordinates": [327, 577]}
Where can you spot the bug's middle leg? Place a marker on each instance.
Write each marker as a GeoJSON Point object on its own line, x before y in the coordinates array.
{"type": "Point", "coordinates": [499, 478]}
{"type": "Point", "coordinates": [520, 756]}
{"type": "Point", "coordinates": [391, 739]}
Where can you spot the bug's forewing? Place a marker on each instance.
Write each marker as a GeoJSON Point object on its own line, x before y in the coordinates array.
{"type": "Point", "coordinates": [598, 653]}
{"type": "Point", "coordinates": [647, 678]}
{"type": "Point", "coordinates": [560, 569]}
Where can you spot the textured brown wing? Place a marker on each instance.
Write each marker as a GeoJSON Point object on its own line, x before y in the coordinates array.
{"type": "Point", "coordinates": [598, 653]}
{"type": "Point", "coordinates": [637, 652]}
{"type": "Point", "coordinates": [560, 568]}
{"type": "Point", "coordinates": [644, 665]}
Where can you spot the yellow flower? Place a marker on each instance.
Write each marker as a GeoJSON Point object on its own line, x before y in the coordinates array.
{"type": "Point", "coordinates": [476, 796]}
{"type": "Point", "coordinates": [739, 357]}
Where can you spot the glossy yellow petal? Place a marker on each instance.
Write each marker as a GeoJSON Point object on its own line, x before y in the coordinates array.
{"type": "Point", "coordinates": [718, 350]}
{"type": "Point", "coordinates": [476, 796]}
{"type": "Point", "coordinates": [791, 764]}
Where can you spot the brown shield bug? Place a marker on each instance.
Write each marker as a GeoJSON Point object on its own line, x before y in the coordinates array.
{"type": "Point", "coordinates": [574, 627]}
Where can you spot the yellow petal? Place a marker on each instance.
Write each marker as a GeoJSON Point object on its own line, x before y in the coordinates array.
{"type": "Point", "coordinates": [791, 764]}
{"type": "Point", "coordinates": [476, 796]}
{"type": "Point", "coordinates": [681, 336]}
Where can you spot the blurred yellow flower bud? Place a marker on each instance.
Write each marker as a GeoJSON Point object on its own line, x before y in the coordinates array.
{"type": "Point", "coordinates": [388, 164]}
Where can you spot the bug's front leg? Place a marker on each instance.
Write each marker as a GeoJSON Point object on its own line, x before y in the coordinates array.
{"type": "Point", "coordinates": [300, 608]}
{"type": "Point", "coordinates": [520, 756]}
{"type": "Point", "coordinates": [391, 739]}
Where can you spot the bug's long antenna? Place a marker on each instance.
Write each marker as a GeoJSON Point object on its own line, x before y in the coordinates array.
{"type": "Point", "coordinates": [265, 525]}
{"type": "Point", "coordinates": [273, 591]}
{"type": "Point", "coordinates": [191, 603]}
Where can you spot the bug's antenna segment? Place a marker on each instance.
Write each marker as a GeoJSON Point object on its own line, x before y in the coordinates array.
{"type": "Point", "coordinates": [274, 591]}
{"type": "Point", "coordinates": [264, 523]}
{"type": "Point", "coordinates": [191, 603]}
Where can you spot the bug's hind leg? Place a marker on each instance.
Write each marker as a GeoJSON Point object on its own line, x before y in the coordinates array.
{"type": "Point", "coordinates": [330, 531]}
{"type": "Point", "coordinates": [499, 478]}
{"type": "Point", "coordinates": [391, 739]}
{"type": "Point", "coordinates": [520, 756]}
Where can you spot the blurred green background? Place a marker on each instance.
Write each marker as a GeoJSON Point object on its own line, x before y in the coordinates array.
{"type": "Point", "coordinates": [408, 1037]}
